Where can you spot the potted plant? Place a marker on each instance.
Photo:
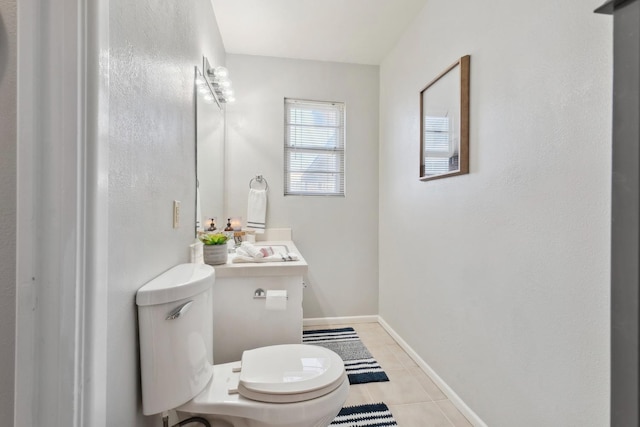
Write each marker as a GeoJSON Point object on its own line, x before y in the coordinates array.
{"type": "Point", "coordinates": [215, 248]}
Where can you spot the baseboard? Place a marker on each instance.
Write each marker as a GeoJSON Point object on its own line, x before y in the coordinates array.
{"type": "Point", "coordinates": [473, 418]}
{"type": "Point", "coordinates": [329, 321]}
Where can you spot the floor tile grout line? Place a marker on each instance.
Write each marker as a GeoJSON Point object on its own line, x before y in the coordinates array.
{"type": "Point", "coordinates": [445, 415]}
{"type": "Point", "coordinates": [418, 403]}
{"type": "Point", "coordinates": [406, 369]}
{"type": "Point", "coordinates": [381, 338]}
{"type": "Point", "coordinates": [366, 390]}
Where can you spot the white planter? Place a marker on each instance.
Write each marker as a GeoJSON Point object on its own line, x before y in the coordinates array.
{"type": "Point", "coordinates": [215, 254]}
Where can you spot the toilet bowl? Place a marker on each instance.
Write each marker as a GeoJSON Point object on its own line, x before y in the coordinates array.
{"type": "Point", "coordinates": [282, 385]}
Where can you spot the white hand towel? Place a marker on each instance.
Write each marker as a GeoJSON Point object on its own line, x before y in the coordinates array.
{"type": "Point", "coordinates": [251, 250]}
{"type": "Point", "coordinates": [243, 253]}
{"type": "Point", "coordinates": [257, 210]}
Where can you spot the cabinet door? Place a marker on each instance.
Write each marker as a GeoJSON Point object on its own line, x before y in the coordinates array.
{"type": "Point", "coordinates": [242, 322]}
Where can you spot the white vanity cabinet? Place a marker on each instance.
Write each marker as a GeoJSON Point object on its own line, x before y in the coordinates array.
{"type": "Point", "coordinates": [241, 321]}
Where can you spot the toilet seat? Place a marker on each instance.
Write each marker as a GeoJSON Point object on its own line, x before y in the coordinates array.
{"type": "Point", "coordinates": [289, 373]}
{"type": "Point", "coordinates": [219, 399]}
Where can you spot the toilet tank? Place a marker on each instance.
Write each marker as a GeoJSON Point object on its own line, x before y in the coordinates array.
{"type": "Point", "coordinates": [175, 326]}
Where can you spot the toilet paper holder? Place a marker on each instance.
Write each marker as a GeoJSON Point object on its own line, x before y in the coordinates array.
{"type": "Point", "coordinates": [261, 294]}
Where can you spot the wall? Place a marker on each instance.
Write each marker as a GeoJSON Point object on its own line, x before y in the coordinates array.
{"type": "Point", "coordinates": [336, 235]}
{"type": "Point", "coordinates": [500, 279]}
{"type": "Point", "coordinates": [154, 47]}
{"type": "Point", "coordinates": [8, 144]}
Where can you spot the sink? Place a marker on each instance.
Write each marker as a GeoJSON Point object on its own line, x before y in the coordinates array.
{"type": "Point", "coordinates": [278, 249]}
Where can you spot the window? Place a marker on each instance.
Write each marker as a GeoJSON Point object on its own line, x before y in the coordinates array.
{"type": "Point", "coordinates": [314, 148]}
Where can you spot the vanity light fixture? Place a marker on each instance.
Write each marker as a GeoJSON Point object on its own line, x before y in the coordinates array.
{"type": "Point", "coordinates": [219, 72]}
{"type": "Point", "coordinates": [219, 78]}
{"type": "Point", "coordinates": [203, 87]}
{"type": "Point", "coordinates": [200, 81]}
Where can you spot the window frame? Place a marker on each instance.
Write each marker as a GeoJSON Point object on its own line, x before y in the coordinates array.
{"type": "Point", "coordinates": [338, 150]}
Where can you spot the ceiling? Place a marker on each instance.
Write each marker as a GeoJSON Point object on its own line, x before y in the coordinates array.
{"type": "Point", "coordinates": [354, 31]}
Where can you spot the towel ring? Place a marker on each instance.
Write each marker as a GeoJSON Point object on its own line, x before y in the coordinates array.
{"type": "Point", "coordinates": [260, 180]}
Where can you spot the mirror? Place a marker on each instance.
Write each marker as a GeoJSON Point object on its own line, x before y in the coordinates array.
{"type": "Point", "coordinates": [209, 155]}
{"type": "Point", "coordinates": [444, 123]}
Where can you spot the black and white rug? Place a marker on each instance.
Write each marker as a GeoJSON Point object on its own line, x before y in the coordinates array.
{"type": "Point", "coordinates": [376, 415]}
{"type": "Point", "coordinates": [361, 367]}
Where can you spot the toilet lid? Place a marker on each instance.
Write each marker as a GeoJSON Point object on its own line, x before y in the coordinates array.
{"type": "Point", "coordinates": [289, 373]}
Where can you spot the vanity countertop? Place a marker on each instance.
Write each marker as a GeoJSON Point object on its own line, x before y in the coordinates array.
{"type": "Point", "coordinates": [261, 269]}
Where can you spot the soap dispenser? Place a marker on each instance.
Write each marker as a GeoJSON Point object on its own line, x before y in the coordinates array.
{"type": "Point", "coordinates": [228, 231]}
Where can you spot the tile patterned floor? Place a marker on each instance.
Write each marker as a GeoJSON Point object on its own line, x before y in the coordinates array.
{"type": "Point", "coordinates": [412, 397]}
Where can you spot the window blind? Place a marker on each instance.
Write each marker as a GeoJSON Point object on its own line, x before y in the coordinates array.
{"type": "Point", "coordinates": [436, 134]}
{"type": "Point", "coordinates": [439, 157]}
{"type": "Point", "coordinates": [314, 148]}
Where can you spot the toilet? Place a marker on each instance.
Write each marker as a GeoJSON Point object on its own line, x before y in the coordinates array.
{"type": "Point", "coordinates": [281, 385]}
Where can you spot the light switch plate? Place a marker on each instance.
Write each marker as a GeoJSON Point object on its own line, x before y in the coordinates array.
{"type": "Point", "coordinates": [176, 214]}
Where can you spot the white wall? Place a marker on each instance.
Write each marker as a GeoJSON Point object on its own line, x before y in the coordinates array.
{"type": "Point", "coordinates": [336, 235]}
{"type": "Point", "coordinates": [154, 46]}
{"type": "Point", "coordinates": [500, 279]}
{"type": "Point", "coordinates": [8, 144]}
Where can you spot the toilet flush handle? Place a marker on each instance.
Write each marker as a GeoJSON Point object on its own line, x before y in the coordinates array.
{"type": "Point", "coordinates": [179, 311]}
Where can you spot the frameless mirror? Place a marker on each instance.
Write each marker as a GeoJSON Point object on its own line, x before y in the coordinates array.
{"type": "Point", "coordinates": [209, 155]}
{"type": "Point", "coordinates": [444, 123]}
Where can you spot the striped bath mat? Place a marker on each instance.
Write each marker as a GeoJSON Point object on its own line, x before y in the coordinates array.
{"type": "Point", "coordinates": [377, 415]}
{"type": "Point", "coordinates": [361, 367]}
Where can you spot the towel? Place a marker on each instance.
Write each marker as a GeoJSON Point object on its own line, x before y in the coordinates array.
{"type": "Point", "coordinates": [240, 257]}
{"type": "Point", "coordinates": [250, 250]}
{"type": "Point", "coordinates": [250, 253]}
{"type": "Point", "coordinates": [257, 210]}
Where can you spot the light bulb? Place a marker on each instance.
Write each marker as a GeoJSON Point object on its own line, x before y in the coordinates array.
{"type": "Point", "coordinates": [220, 72]}
{"type": "Point", "coordinates": [223, 82]}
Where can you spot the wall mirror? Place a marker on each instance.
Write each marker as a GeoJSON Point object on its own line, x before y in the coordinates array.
{"type": "Point", "coordinates": [444, 123]}
{"type": "Point", "coordinates": [209, 155]}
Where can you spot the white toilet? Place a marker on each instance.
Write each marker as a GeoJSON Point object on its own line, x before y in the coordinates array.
{"type": "Point", "coordinates": [283, 385]}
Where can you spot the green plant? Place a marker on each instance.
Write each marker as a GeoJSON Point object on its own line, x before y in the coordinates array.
{"type": "Point", "coordinates": [213, 239]}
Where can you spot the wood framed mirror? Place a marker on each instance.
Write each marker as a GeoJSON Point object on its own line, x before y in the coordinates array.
{"type": "Point", "coordinates": [444, 123]}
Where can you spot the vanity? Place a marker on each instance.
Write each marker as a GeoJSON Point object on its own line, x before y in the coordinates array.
{"type": "Point", "coordinates": [241, 318]}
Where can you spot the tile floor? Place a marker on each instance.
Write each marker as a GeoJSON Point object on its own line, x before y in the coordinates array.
{"type": "Point", "coordinates": [414, 400]}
